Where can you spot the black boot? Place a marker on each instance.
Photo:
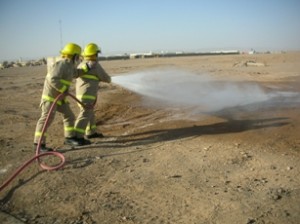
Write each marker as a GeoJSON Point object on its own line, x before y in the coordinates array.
{"type": "Point", "coordinates": [76, 141]}
{"type": "Point", "coordinates": [83, 141]}
{"type": "Point", "coordinates": [71, 141]}
{"type": "Point", "coordinates": [43, 148]}
{"type": "Point", "coordinates": [95, 135]}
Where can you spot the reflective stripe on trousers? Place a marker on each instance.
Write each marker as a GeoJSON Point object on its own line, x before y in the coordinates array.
{"type": "Point", "coordinates": [68, 120]}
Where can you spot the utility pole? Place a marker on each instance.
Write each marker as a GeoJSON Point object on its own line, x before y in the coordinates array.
{"type": "Point", "coordinates": [60, 31]}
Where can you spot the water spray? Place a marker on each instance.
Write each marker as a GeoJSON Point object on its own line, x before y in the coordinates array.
{"type": "Point", "coordinates": [184, 89]}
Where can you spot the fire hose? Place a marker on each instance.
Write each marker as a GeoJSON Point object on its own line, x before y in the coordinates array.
{"type": "Point", "coordinates": [38, 154]}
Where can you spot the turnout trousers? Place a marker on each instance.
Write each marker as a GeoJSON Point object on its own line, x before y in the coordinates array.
{"type": "Point", "coordinates": [85, 122]}
{"type": "Point", "coordinates": [68, 120]}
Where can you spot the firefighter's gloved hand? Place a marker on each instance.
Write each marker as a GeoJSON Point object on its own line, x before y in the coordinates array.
{"type": "Point", "coordinates": [91, 64]}
{"type": "Point", "coordinates": [88, 66]}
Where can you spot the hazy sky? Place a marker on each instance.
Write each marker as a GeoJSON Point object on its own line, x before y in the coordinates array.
{"type": "Point", "coordinates": [31, 28]}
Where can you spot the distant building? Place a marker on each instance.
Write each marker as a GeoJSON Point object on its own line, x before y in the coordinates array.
{"type": "Point", "coordinates": [251, 51]}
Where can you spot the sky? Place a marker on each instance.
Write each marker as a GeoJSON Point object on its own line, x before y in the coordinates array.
{"type": "Point", "coordinates": [32, 29]}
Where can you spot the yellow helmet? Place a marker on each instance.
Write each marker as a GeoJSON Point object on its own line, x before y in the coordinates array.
{"type": "Point", "coordinates": [91, 49]}
{"type": "Point", "coordinates": [71, 49]}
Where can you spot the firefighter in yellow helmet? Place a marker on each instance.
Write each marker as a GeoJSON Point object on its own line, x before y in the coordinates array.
{"type": "Point", "coordinates": [57, 81]}
{"type": "Point", "coordinates": [87, 87]}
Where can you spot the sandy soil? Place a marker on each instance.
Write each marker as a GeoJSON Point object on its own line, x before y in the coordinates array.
{"type": "Point", "coordinates": [232, 166]}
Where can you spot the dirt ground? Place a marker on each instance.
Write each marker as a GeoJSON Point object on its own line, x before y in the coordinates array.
{"type": "Point", "coordinates": [232, 166]}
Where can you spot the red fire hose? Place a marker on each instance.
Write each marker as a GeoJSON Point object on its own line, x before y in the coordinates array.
{"type": "Point", "coordinates": [38, 155]}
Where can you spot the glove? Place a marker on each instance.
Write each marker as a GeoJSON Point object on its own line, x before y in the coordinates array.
{"type": "Point", "coordinates": [85, 68]}
{"type": "Point", "coordinates": [91, 64]}
{"type": "Point", "coordinates": [88, 66]}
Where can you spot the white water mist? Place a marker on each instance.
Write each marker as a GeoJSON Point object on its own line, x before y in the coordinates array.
{"type": "Point", "coordinates": [185, 89]}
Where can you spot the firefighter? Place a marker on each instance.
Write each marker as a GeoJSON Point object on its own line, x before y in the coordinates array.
{"type": "Point", "coordinates": [57, 81]}
{"type": "Point", "coordinates": [87, 87]}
